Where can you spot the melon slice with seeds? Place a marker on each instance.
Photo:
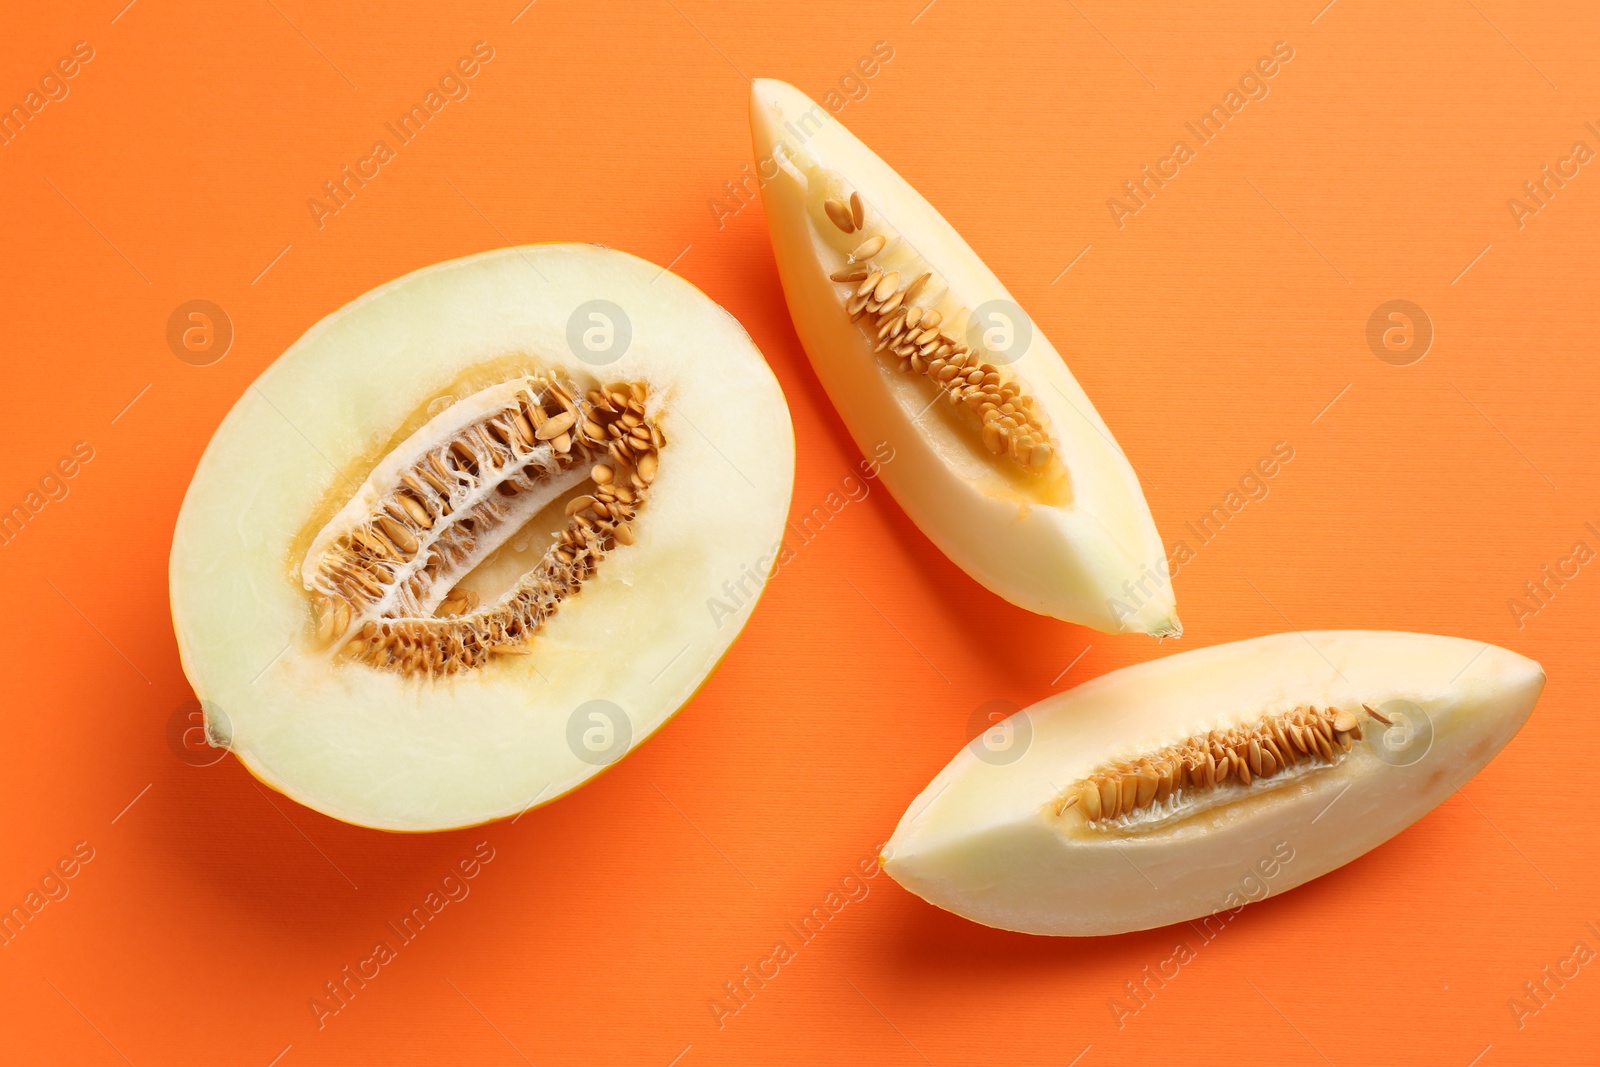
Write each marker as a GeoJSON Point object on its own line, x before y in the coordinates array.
{"type": "Point", "coordinates": [1192, 785]}
{"type": "Point", "coordinates": [451, 555]}
{"type": "Point", "coordinates": [1000, 458]}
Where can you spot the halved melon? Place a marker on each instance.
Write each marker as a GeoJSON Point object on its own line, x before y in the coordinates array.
{"type": "Point", "coordinates": [1193, 784]}
{"type": "Point", "coordinates": [1000, 458]}
{"type": "Point", "coordinates": [451, 554]}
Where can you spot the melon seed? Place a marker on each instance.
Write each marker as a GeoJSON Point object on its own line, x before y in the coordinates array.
{"type": "Point", "coordinates": [840, 214]}
{"type": "Point", "coordinates": [869, 248]}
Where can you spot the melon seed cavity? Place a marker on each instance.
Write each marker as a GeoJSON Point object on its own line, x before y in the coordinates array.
{"type": "Point", "coordinates": [385, 567]}
{"type": "Point", "coordinates": [1001, 410]}
{"type": "Point", "coordinates": [1217, 767]}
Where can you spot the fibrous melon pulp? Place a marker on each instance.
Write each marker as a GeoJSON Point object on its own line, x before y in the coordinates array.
{"type": "Point", "coordinates": [449, 556]}
{"type": "Point", "coordinates": [1000, 457]}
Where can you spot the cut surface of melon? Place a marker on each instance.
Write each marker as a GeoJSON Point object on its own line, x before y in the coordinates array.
{"type": "Point", "coordinates": [450, 555]}
{"type": "Point", "coordinates": [1192, 784]}
{"type": "Point", "coordinates": [1000, 458]}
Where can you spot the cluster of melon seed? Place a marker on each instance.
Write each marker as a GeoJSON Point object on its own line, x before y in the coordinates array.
{"type": "Point", "coordinates": [424, 531]}
{"type": "Point", "coordinates": [1205, 761]}
{"type": "Point", "coordinates": [617, 420]}
{"type": "Point", "coordinates": [1005, 414]}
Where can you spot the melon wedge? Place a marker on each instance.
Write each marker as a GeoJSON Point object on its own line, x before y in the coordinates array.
{"type": "Point", "coordinates": [1193, 784]}
{"type": "Point", "coordinates": [450, 555]}
{"type": "Point", "coordinates": [1000, 458]}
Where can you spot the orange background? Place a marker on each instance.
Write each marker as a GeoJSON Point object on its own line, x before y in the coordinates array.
{"type": "Point", "coordinates": [1226, 316]}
